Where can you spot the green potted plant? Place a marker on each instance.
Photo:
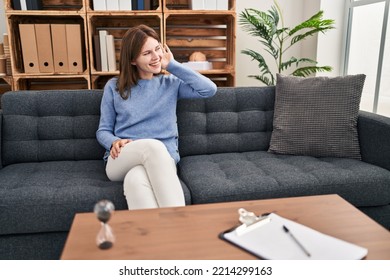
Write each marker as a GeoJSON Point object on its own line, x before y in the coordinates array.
{"type": "Point", "coordinates": [276, 40]}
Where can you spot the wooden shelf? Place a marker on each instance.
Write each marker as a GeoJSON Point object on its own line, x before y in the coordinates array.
{"type": "Point", "coordinates": [33, 82]}
{"type": "Point", "coordinates": [185, 31]}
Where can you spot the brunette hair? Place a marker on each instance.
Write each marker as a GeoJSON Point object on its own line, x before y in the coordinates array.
{"type": "Point", "coordinates": [132, 44]}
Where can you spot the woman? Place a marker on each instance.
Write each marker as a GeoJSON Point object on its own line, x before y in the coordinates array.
{"type": "Point", "coordinates": [138, 119]}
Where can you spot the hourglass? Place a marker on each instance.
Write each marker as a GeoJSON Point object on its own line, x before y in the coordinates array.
{"type": "Point", "coordinates": [103, 210]}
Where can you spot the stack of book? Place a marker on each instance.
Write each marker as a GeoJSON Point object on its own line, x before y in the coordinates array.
{"type": "Point", "coordinates": [209, 4]}
{"type": "Point", "coordinates": [104, 52]}
{"type": "Point", "coordinates": [7, 55]}
{"type": "Point", "coordinates": [27, 4]}
{"type": "Point", "coordinates": [3, 69]}
{"type": "Point", "coordinates": [122, 5]}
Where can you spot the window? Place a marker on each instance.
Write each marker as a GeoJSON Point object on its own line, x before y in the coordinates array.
{"type": "Point", "coordinates": [368, 51]}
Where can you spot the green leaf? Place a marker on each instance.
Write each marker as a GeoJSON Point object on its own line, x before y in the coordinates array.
{"type": "Point", "coordinates": [315, 21]}
{"type": "Point", "coordinates": [314, 25]}
{"type": "Point", "coordinates": [309, 70]}
{"type": "Point", "coordinates": [265, 80]}
{"type": "Point", "coordinates": [259, 58]}
{"type": "Point", "coordinates": [257, 23]}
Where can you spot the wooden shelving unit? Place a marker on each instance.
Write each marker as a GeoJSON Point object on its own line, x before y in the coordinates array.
{"type": "Point", "coordinates": [54, 12]}
{"type": "Point", "coordinates": [210, 31]}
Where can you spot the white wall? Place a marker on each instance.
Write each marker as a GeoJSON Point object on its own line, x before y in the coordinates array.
{"type": "Point", "coordinates": [326, 49]}
{"type": "Point", "coordinates": [331, 45]}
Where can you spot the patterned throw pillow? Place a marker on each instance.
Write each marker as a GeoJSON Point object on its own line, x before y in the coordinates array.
{"type": "Point", "coordinates": [317, 116]}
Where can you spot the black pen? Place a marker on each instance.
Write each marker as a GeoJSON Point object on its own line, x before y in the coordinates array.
{"type": "Point", "coordinates": [296, 241]}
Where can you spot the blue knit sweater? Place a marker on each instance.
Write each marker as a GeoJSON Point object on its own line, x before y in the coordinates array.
{"type": "Point", "coordinates": [150, 111]}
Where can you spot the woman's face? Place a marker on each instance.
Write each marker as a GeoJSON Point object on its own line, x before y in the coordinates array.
{"type": "Point", "coordinates": [149, 60]}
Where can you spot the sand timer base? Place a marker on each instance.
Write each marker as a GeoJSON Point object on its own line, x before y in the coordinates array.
{"type": "Point", "coordinates": [105, 239]}
{"type": "Point", "coordinates": [106, 245]}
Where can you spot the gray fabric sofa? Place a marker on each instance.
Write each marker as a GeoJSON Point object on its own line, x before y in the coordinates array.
{"type": "Point", "coordinates": [52, 167]}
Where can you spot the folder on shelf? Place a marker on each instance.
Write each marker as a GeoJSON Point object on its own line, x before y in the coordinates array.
{"type": "Point", "coordinates": [125, 5]}
{"type": "Point", "coordinates": [99, 5]}
{"type": "Point", "coordinates": [140, 5]}
{"type": "Point", "coordinates": [273, 237]}
{"type": "Point", "coordinates": [16, 5]}
{"type": "Point", "coordinates": [45, 52]}
{"type": "Point", "coordinates": [60, 52]}
{"type": "Point", "coordinates": [222, 4]}
{"type": "Point", "coordinates": [147, 5]}
{"type": "Point", "coordinates": [210, 4]}
{"type": "Point", "coordinates": [111, 58]}
{"type": "Point", "coordinates": [197, 4]}
{"type": "Point", "coordinates": [134, 4]}
{"type": "Point", "coordinates": [23, 5]}
{"type": "Point", "coordinates": [29, 48]}
{"type": "Point", "coordinates": [74, 47]}
{"type": "Point", "coordinates": [96, 53]}
{"type": "Point", "coordinates": [112, 5]}
{"type": "Point", "coordinates": [103, 49]}
{"type": "Point", "coordinates": [34, 4]}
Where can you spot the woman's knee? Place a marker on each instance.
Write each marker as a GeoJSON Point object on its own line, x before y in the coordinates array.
{"type": "Point", "coordinates": [154, 149]}
{"type": "Point", "coordinates": [154, 145]}
{"type": "Point", "coordinates": [134, 178]}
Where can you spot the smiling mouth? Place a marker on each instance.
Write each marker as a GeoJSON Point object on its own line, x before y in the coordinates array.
{"type": "Point", "coordinates": [156, 64]}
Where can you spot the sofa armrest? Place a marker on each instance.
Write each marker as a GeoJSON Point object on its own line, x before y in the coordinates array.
{"type": "Point", "coordinates": [374, 137]}
{"type": "Point", "coordinates": [1, 137]}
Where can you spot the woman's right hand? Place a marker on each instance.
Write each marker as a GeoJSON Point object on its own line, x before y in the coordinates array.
{"type": "Point", "coordinates": [116, 147]}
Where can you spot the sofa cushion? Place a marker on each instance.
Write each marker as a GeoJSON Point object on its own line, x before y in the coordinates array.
{"type": "Point", "coordinates": [261, 175]}
{"type": "Point", "coordinates": [50, 125]}
{"type": "Point", "coordinates": [44, 197]}
{"type": "Point", "coordinates": [317, 116]}
{"type": "Point", "coordinates": [234, 120]}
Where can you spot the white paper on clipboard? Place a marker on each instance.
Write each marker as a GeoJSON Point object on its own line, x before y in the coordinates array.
{"type": "Point", "coordinates": [268, 240]}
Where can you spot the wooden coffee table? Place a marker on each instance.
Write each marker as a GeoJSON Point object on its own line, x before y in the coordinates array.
{"type": "Point", "coordinates": [191, 232]}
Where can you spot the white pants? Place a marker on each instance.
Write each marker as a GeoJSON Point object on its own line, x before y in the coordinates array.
{"type": "Point", "coordinates": [149, 175]}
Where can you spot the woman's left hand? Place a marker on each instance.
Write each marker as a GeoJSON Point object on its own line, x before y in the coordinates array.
{"type": "Point", "coordinates": [167, 56]}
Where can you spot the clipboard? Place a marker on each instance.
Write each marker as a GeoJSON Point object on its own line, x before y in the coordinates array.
{"type": "Point", "coordinates": [273, 237]}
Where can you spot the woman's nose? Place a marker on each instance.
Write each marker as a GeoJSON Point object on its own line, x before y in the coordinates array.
{"type": "Point", "coordinates": [156, 55]}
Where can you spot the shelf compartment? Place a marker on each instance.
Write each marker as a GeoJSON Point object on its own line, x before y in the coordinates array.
{"type": "Point", "coordinates": [99, 81]}
{"type": "Point", "coordinates": [156, 6]}
{"type": "Point", "coordinates": [221, 79]}
{"type": "Point", "coordinates": [117, 26]}
{"type": "Point", "coordinates": [185, 6]}
{"type": "Point", "coordinates": [52, 82]}
{"type": "Point", "coordinates": [50, 5]}
{"type": "Point", "coordinates": [214, 36]}
{"type": "Point", "coordinates": [16, 47]}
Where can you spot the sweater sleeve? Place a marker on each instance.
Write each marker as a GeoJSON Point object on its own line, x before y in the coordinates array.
{"type": "Point", "coordinates": [193, 84]}
{"type": "Point", "coordinates": [105, 133]}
